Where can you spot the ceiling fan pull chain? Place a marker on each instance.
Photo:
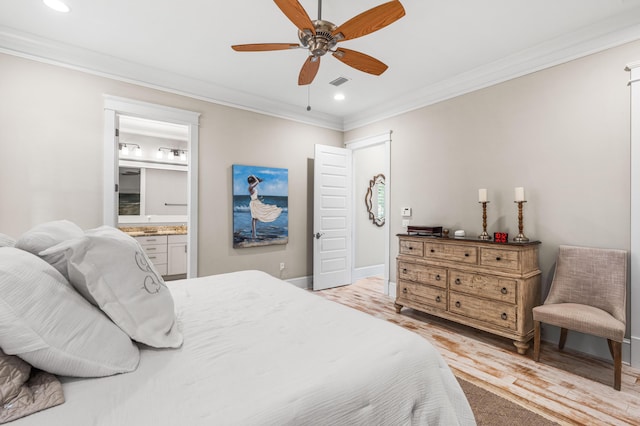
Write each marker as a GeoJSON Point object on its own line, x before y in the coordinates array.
{"type": "Point", "coordinates": [308, 97]}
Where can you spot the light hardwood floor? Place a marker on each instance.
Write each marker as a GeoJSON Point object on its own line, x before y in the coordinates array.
{"type": "Point", "coordinates": [567, 387]}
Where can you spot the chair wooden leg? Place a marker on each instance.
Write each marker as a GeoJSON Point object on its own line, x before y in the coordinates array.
{"type": "Point", "coordinates": [616, 350]}
{"type": "Point", "coordinates": [563, 338]}
{"type": "Point", "coordinates": [610, 344]}
{"type": "Point", "coordinates": [536, 341]}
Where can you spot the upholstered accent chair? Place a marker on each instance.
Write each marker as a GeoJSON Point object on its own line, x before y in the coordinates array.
{"type": "Point", "coordinates": [588, 294]}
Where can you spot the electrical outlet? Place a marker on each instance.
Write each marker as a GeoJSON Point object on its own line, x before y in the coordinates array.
{"type": "Point", "coordinates": [281, 266]}
{"type": "Point", "coordinates": [405, 223]}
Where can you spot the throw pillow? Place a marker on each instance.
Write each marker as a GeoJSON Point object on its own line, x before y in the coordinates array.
{"type": "Point", "coordinates": [48, 324]}
{"type": "Point", "coordinates": [6, 241]}
{"type": "Point", "coordinates": [111, 270]}
{"type": "Point", "coordinates": [46, 235]}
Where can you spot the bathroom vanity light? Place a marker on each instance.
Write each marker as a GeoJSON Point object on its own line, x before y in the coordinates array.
{"type": "Point", "coordinates": [172, 153]}
{"type": "Point", "coordinates": [124, 149]}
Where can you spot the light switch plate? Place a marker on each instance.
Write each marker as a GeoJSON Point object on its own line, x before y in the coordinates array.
{"type": "Point", "coordinates": [406, 212]}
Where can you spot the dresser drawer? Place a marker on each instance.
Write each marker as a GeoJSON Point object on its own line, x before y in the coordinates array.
{"type": "Point", "coordinates": [424, 274]}
{"type": "Point", "coordinates": [492, 287]}
{"type": "Point", "coordinates": [500, 258]}
{"type": "Point", "coordinates": [422, 294]}
{"type": "Point", "coordinates": [413, 248]}
{"type": "Point", "coordinates": [464, 254]}
{"type": "Point", "coordinates": [495, 313]}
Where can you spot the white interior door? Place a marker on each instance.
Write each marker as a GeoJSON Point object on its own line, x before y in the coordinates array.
{"type": "Point", "coordinates": [332, 217]}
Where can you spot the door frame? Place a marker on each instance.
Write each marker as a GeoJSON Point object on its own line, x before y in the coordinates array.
{"type": "Point", "coordinates": [634, 255]}
{"type": "Point", "coordinates": [115, 106]}
{"type": "Point", "coordinates": [362, 143]}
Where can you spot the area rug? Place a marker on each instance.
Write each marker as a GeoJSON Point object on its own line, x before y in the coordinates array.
{"type": "Point", "coordinates": [493, 410]}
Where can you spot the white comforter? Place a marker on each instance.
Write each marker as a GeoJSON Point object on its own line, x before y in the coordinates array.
{"type": "Point", "coordinates": [259, 351]}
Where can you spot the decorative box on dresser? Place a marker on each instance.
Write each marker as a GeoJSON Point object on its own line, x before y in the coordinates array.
{"type": "Point", "coordinates": [486, 285]}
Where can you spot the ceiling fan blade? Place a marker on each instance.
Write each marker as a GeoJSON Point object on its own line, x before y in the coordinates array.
{"type": "Point", "coordinates": [370, 21]}
{"type": "Point", "coordinates": [261, 47]}
{"type": "Point", "coordinates": [309, 70]}
{"type": "Point", "coordinates": [296, 14]}
{"type": "Point", "coordinates": [360, 61]}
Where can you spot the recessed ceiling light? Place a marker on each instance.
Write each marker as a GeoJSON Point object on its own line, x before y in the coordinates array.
{"type": "Point", "coordinates": [339, 97]}
{"type": "Point", "coordinates": [57, 5]}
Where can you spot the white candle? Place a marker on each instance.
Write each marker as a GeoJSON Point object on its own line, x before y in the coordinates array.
{"type": "Point", "coordinates": [482, 195]}
{"type": "Point", "coordinates": [519, 193]}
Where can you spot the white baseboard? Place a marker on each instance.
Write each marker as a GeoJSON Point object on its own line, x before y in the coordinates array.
{"type": "Point", "coordinates": [367, 271]}
{"type": "Point", "coordinates": [305, 283]}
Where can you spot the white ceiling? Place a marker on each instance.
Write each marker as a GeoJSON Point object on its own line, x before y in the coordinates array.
{"type": "Point", "coordinates": [438, 50]}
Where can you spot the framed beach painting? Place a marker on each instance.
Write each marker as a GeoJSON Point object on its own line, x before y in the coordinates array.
{"type": "Point", "coordinates": [260, 206]}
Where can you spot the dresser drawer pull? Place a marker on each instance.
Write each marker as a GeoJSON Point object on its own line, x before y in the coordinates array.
{"type": "Point", "coordinates": [503, 316]}
{"type": "Point", "coordinates": [498, 258]}
{"type": "Point", "coordinates": [458, 304]}
{"type": "Point", "coordinates": [151, 248]}
{"type": "Point", "coordinates": [404, 290]}
{"type": "Point", "coordinates": [458, 281]}
{"type": "Point", "coordinates": [404, 271]}
{"type": "Point", "coordinates": [504, 290]}
{"type": "Point", "coordinates": [410, 248]}
{"type": "Point", "coordinates": [432, 251]}
{"type": "Point", "coordinates": [438, 299]}
{"type": "Point", "coordinates": [466, 255]}
{"type": "Point", "coordinates": [438, 277]}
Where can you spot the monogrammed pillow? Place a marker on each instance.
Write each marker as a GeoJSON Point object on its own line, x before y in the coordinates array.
{"type": "Point", "coordinates": [44, 321]}
{"type": "Point", "coordinates": [111, 270]}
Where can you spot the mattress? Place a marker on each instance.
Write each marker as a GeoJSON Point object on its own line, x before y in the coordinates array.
{"type": "Point", "coordinates": [259, 351]}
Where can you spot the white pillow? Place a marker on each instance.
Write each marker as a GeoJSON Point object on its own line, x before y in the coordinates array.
{"type": "Point", "coordinates": [6, 241]}
{"type": "Point", "coordinates": [47, 323]}
{"type": "Point", "coordinates": [111, 270]}
{"type": "Point", "coordinates": [46, 235]}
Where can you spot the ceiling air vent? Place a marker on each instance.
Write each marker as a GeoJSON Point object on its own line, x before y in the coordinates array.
{"type": "Point", "coordinates": [338, 81]}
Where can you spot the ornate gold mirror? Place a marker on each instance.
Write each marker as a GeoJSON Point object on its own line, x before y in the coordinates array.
{"type": "Point", "coordinates": [375, 199]}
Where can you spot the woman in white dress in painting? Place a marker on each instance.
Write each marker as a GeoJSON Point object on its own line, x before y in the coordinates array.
{"type": "Point", "coordinates": [260, 211]}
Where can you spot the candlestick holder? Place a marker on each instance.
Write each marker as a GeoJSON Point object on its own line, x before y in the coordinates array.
{"type": "Point", "coordinates": [484, 235]}
{"type": "Point", "coordinates": [520, 238]}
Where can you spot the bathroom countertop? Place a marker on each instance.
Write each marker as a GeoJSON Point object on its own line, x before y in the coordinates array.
{"type": "Point", "coordinates": [138, 231]}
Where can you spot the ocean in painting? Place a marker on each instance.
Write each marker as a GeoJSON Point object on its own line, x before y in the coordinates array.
{"type": "Point", "coordinates": [276, 232]}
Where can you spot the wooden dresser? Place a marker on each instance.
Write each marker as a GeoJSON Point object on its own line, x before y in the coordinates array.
{"type": "Point", "coordinates": [487, 285]}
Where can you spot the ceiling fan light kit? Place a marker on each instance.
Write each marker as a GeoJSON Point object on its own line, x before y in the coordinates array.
{"type": "Point", "coordinates": [320, 37]}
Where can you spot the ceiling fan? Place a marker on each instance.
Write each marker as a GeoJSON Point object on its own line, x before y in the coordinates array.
{"type": "Point", "coordinates": [321, 37]}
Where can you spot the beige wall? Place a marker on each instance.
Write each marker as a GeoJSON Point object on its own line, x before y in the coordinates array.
{"type": "Point", "coordinates": [369, 238]}
{"type": "Point", "coordinates": [51, 138]}
{"type": "Point", "coordinates": [562, 133]}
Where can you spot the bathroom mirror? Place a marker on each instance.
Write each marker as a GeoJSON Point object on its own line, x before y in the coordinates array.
{"type": "Point", "coordinates": [374, 200]}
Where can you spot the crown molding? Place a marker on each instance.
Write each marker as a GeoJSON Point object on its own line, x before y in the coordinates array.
{"type": "Point", "coordinates": [36, 48]}
{"type": "Point", "coordinates": [591, 39]}
{"type": "Point", "coordinates": [595, 38]}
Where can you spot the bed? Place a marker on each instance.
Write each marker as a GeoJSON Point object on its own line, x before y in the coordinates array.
{"type": "Point", "coordinates": [259, 351]}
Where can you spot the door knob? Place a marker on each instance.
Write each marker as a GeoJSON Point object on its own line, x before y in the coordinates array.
{"type": "Point", "coordinates": [318, 235]}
